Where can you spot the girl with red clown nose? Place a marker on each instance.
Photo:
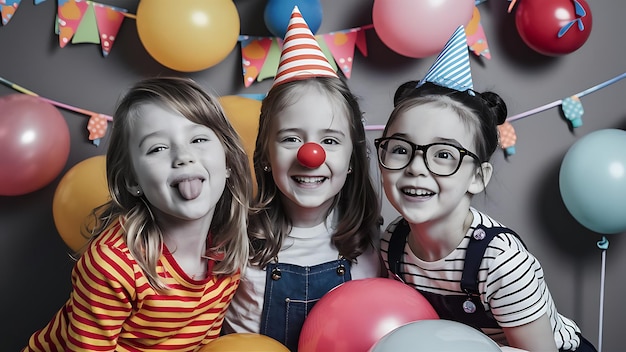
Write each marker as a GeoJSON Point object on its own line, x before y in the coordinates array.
{"type": "Point", "coordinates": [317, 212]}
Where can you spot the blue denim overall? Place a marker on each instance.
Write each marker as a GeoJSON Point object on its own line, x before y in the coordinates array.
{"type": "Point", "coordinates": [290, 293]}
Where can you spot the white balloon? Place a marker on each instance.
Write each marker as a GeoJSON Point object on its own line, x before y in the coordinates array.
{"type": "Point", "coordinates": [435, 335]}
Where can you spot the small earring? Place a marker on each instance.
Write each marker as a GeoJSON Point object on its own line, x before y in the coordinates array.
{"type": "Point", "coordinates": [350, 170]}
{"type": "Point", "coordinates": [267, 168]}
{"type": "Point", "coordinates": [139, 193]}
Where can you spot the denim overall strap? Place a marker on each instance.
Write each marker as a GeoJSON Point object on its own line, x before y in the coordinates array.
{"type": "Point", "coordinates": [290, 293]}
{"type": "Point", "coordinates": [465, 308]}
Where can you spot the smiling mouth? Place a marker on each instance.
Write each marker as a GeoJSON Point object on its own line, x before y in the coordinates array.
{"type": "Point", "coordinates": [309, 180]}
{"type": "Point", "coordinates": [412, 192]}
{"type": "Point", "coordinates": [189, 188]}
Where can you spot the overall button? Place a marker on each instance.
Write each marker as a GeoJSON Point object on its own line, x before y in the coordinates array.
{"type": "Point", "coordinates": [276, 274]}
{"type": "Point", "coordinates": [479, 234]}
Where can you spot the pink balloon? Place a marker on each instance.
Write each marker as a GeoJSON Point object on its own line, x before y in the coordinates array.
{"type": "Point", "coordinates": [358, 313]}
{"type": "Point", "coordinates": [419, 28]}
{"type": "Point", "coordinates": [34, 144]}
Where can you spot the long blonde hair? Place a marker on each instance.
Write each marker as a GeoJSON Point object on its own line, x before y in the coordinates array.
{"type": "Point", "coordinates": [142, 234]}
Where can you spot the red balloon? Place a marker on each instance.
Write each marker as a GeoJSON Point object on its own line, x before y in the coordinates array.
{"type": "Point", "coordinates": [311, 155]}
{"type": "Point", "coordinates": [355, 315]}
{"type": "Point", "coordinates": [34, 144]}
{"type": "Point", "coordinates": [539, 22]}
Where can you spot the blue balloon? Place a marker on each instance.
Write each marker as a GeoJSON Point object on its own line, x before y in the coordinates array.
{"type": "Point", "coordinates": [278, 12]}
{"type": "Point", "coordinates": [592, 181]}
{"type": "Point", "coordinates": [435, 335]}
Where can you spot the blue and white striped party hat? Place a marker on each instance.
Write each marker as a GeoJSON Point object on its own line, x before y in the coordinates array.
{"type": "Point", "coordinates": [452, 68]}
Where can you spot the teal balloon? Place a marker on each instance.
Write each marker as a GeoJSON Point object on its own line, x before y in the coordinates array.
{"type": "Point", "coordinates": [592, 181]}
{"type": "Point", "coordinates": [278, 13]}
{"type": "Point", "coordinates": [435, 335]}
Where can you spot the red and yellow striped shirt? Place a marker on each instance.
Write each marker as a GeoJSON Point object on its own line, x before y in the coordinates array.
{"type": "Point", "coordinates": [113, 308]}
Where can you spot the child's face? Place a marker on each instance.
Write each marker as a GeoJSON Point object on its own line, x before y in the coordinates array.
{"type": "Point", "coordinates": [179, 165]}
{"type": "Point", "coordinates": [312, 118]}
{"type": "Point", "coordinates": [414, 191]}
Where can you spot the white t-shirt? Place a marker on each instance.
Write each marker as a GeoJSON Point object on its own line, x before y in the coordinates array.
{"type": "Point", "coordinates": [304, 247]}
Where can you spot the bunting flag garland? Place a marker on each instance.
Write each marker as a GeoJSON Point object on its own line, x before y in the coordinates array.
{"type": "Point", "coordinates": [476, 39]}
{"type": "Point", "coordinates": [254, 52]}
{"type": "Point", "coordinates": [507, 138]}
{"type": "Point", "coordinates": [260, 55]}
{"type": "Point", "coordinates": [109, 20]}
{"type": "Point", "coordinates": [87, 30]}
{"type": "Point", "coordinates": [7, 9]}
{"type": "Point", "coordinates": [341, 45]}
{"type": "Point", "coordinates": [573, 111]}
{"type": "Point", "coordinates": [84, 21]}
{"type": "Point", "coordinates": [79, 21]}
{"type": "Point", "coordinates": [97, 124]}
{"type": "Point", "coordinates": [69, 16]}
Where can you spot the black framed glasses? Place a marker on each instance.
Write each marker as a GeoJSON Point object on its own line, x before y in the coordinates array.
{"type": "Point", "coordinates": [442, 159]}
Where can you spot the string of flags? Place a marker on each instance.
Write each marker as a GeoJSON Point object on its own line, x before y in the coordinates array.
{"type": "Point", "coordinates": [83, 21]}
{"type": "Point", "coordinates": [97, 125]}
{"type": "Point", "coordinates": [571, 106]}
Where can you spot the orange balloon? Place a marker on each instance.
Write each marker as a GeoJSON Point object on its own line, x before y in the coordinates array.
{"type": "Point", "coordinates": [81, 189]}
{"type": "Point", "coordinates": [244, 342]}
{"type": "Point", "coordinates": [188, 35]}
{"type": "Point", "coordinates": [243, 114]}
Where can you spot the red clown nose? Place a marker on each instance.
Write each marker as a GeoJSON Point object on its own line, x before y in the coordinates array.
{"type": "Point", "coordinates": [311, 155]}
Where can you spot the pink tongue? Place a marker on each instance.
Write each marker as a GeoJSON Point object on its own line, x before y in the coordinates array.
{"type": "Point", "coordinates": [190, 189]}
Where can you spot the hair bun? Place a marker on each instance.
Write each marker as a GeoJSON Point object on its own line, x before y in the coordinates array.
{"type": "Point", "coordinates": [496, 105]}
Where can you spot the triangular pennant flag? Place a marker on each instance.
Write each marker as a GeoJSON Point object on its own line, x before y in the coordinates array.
{"type": "Point", "coordinates": [301, 56]}
{"type": "Point", "coordinates": [476, 39]}
{"type": "Point", "coordinates": [109, 21]}
{"type": "Point", "coordinates": [507, 138]}
{"type": "Point", "coordinates": [361, 43]}
{"type": "Point", "coordinates": [341, 45]}
{"type": "Point", "coordinates": [254, 51]}
{"type": "Point", "coordinates": [87, 31]}
{"type": "Point", "coordinates": [327, 53]}
{"type": "Point", "coordinates": [451, 68]}
{"type": "Point", "coordinates": [270, 66]}
{"type": "Point", "coordinates": [7, 9]}
{"type": "Point", "coordinates": [573, 110]}
{"type": "Point", "coordinates": [97, 126]}
{"type": "Point", "coordinates": [69, 14]}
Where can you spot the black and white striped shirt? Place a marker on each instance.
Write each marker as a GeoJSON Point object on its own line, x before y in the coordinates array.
{"type": "Point", "coordinates": [511, 281]}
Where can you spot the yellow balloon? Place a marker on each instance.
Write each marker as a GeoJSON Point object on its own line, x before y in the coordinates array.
{"type": "Point", "coordinates": [244, 342]}
{"type": "Point", "coordinates": [243, 113]}
{"type": "Point", "coordinates": [188, 35]}
{"type": "Point", "coordinates": [81, 189]}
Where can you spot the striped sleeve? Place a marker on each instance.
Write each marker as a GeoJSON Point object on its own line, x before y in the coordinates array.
{"type": "Point", "coordinates": [103, 287]}
{"type": "Point", "coordinates": [515, 287]}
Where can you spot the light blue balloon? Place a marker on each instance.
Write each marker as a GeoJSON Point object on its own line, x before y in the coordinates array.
{"type": "Point", "coordinates": [592, 181]}
{"type": "Point", "coordinates": [435, 335]}
{"type": "Point", "coordinates": [278, 13]}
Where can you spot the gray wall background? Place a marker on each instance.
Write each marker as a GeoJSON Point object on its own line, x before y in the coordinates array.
{"type": "Point", "coordinates": [524, 193]}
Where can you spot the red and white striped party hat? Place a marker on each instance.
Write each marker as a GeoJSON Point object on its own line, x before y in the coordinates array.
{"type": "Point", "coordinates": [301, 56]}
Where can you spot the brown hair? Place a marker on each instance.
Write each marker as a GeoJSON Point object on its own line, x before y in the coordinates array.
{"type": "Point", "coordinates": [357, 203]}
